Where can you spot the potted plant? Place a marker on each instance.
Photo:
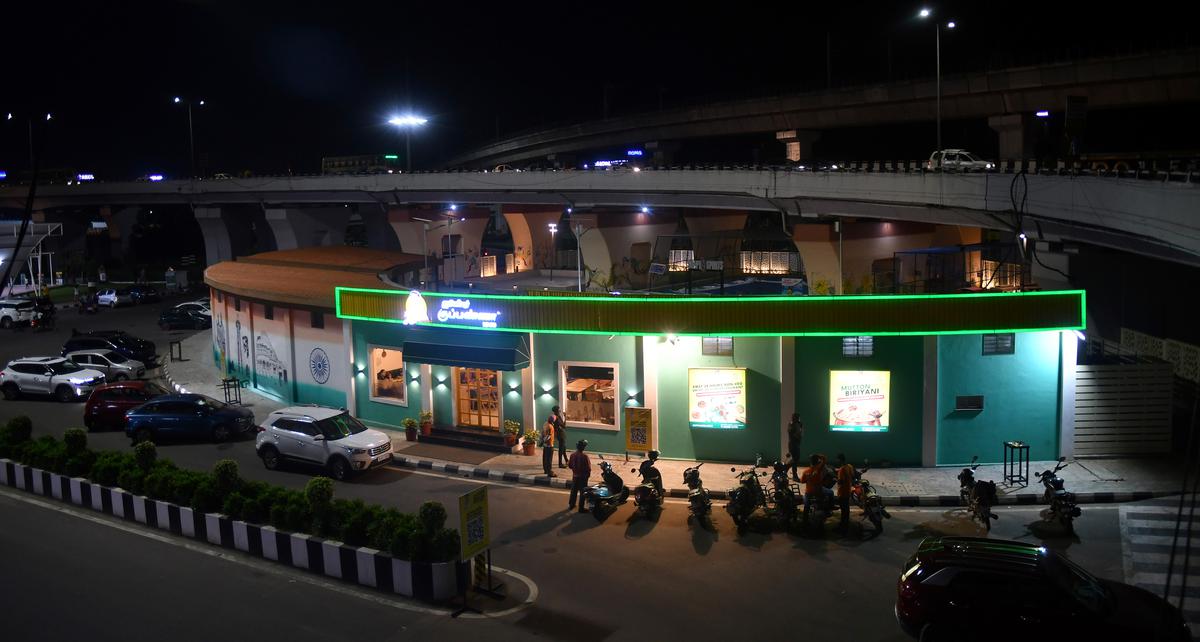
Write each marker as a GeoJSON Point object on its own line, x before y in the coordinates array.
{"type": "Point", "coordinates": [410, 429]}
{"type": "Point", "coordinates": [529, 443]}
{"type": "Point", "coordinates": [512, 430]}
{"type": "Point", "coordinates": [426, 421]}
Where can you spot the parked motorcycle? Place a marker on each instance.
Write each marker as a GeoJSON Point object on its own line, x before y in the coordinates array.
{"type": "Point", "coordinates": [648, 496]}
{"type": "Point", "coordinates": [979, 496]}
{"type": "Point", "coordinates": [1062, 503]}
{"type": "Point", "coordinates": [88, 305]}
{"type": "Point", "coordinates": [699, 502]}
{"type": "Point", "coordinates": [607, 495]}
{"type": "Point", "coordinates": [786, 497]}
{"type": "Point", "coordinates": [42, 322]}
{"type": "Point", "coordinates": [746, 498]}
{"type": "Point", "coordinates": [863, 495]}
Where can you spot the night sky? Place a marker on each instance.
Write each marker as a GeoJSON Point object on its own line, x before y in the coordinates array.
{"type": "Point", "coordinates": [288, 83]}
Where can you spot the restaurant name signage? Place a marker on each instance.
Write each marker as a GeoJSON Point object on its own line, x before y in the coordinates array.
{"type": "Point", "coordinates": [460, 311]}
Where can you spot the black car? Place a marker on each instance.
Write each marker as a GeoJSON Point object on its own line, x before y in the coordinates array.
{"type": "Point", "coordinates": [144, 294]}
{"type": "Point", "coordinates": [971, 588]}
{"type": "Point", "coordinates": [173, 318]}
{"type": "Point", "coordinates": [118, 341]}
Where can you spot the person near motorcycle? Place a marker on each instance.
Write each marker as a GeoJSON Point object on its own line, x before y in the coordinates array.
{"type": "Point", "coordinates": [581, 469]}
{"type": "Point", "coordinates": [548, 446]}
{"type": "Point", "coordinates": [649, 472]}
{"type": "Point", "coordinates": [795, 434]}
{"type": "Point", "coordinates": [560, 433]}
{"type": "Point", "coordinates": [845, 480]}
{"type": "Point", "coordinates": [813, 479]}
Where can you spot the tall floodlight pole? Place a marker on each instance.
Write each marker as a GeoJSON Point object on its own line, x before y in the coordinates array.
{"type": "Point", "coordinates": [191, 132]}
{"type": "Point", "coordinates": [937, 40]}
{"type": "Point", "coordinates": [407, 122]}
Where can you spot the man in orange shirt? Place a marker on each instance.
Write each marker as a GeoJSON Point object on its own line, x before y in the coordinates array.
{"type": "Point", "coordinates": [845, 480]}
{"type": "Point", "coordinates": [812, 478]}
{"type": "Point", "coordinates": [548, 446]}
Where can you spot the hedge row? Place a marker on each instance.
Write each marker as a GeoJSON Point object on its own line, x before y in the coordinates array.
{"type": "Point", "coordinates": [421, 537]}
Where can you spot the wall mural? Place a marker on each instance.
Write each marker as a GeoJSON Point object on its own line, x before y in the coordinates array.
{"type": "Point", "coordinates": [272, 371]}
{"type": "Point", "coordinates": [220, 340]}
{"type": "Point", "coordinates": [318, 365]}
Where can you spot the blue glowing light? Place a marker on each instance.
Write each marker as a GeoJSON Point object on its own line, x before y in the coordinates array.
{"type": "Point", "coordinates": [633, 152]}
{"type": "Point", "coordinates": [156, 177]}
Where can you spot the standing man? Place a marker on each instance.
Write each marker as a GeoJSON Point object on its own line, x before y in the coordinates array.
{"type": "Point", "coordinates": [548, 446]}
{"type": "Point", "coordinates": [581, 469]}
{"type": "Point", "coordinates": [560, 433]}
{"type": "Point", "coordinates": [845, 479]}
{"type": "Point", "coordinates": [795, 434]}
{"type": "Point", "coordinates": [814, 490]}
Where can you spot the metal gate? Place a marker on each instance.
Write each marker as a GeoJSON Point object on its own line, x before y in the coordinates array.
{"type": "Point", "coordinates": [1123, 409]}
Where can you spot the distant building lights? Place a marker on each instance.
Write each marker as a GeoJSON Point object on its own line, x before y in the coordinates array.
{"type": "Point", "coordinates": [3, 175]}
{"type": "Point", "coordinates": [1043, 114]}
{"type": "Point", "coordinates": [86, 177]}
{"type": "Point", "coordinates": [645, 210]}
{"type": "Point", "coordinates": [453, 207]}
{"type": "Point", "coordinates": [601, 163]}
{"type": "Point", "coordinates": [637, 169]}
{"type": "Point", "coordinates": [391, 157]}
{"type": "Point", "coordinates": [633, 152]}
{"type": "Point", "coordinates": [154, 178]}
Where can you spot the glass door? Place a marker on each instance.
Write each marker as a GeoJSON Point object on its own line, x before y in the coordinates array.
{"type": "Point", "coordinates": [477, 397]}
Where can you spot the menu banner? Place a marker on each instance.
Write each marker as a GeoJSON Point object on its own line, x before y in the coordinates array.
{"type": "Point", "coordinates": [858, 400]}
{"type": "Point", "coordinates": [717, 398]}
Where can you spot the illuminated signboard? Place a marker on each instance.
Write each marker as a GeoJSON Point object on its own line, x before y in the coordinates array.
{"type": "Point", "coordinates": [86, 177]}
{"type": "Point", "coordinates": [633, 152]}
{"type": "Point", "coordinates": [459, 311]}
{"type": "Point", "coordinates": [858, 400]}
{"type": "Point", "coordinates": [717, 398]}
{"type": "Point", "coordinates": [3, 175]}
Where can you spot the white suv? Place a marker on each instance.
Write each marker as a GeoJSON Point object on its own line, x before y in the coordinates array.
{"type": "Point", "coordinates": [326, 437]}
{"type": "Point", "coordinates": [957, 160]}
{"type": "Point", "coordinates": [16, 311]}
{"type": "Point", "coordinates": [113, 297]}
{"type": "Point", "coordinates": [57, 376]}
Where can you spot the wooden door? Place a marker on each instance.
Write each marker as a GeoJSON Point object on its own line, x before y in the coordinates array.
{"type": "Point", "coordinates": [477, 397]}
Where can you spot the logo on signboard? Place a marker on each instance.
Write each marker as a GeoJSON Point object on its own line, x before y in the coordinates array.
{"type": "Point", "coordinates": [460, 311]}
{"type": "Point", "coordinates": [318, 365]}
{"type": "Point", "coordinates": [415, 310]}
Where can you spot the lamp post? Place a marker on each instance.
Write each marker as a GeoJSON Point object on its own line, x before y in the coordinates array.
{"type": "Point", "coordinates": [553, 249]}
{"type": "Point", "coordinates": [407, 122]}
{"type": "Point", "coordinates": [191, 134]}
{"type": "Point", "coordinates": [937, 24]}
{"type": "Point", "coordinates": [29, 129]}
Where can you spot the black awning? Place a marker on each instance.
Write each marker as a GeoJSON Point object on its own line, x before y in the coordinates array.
{"type": "Point", "coordinates": [491, 350]}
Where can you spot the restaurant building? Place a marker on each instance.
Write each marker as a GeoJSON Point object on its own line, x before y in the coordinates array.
{"type": "Point", "coordinates": [905, 379]}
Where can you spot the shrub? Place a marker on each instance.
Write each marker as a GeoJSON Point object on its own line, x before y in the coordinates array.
{"type": "Point", "coordinates": [234, 505]}
{"type": "Point", "coordinates": [319, 493]}
{"type": "Point", "coordinates": [444, 546]}
{"type": "Point", "coordinates": [46, 453]}
{"type": "Point", "coordinates": [206, 498]}
{"type": "Point", "coordinates": [432, 516]}
{"type": "Point", "coordinates": [108, 467]}
{"type": "Point", "coordinates": [20, 430]}
{"type": "Point", "coordinates": [132, 478]}
{"type": "Point", "coordinates": [297, 516]}
{"type": "Point", "coordinates": [81, 464]}
{"type": "Point", "coordinates": [186, 482]}
{"type": "Point", "coordinates": [145, 453]}
{"type": "Point", "coordinates": [355, 519]}
{"type": "Point", "coordinates": [75, 440]}
{"type": "Point", "coordinates": [259, 505]}
{"type": "Point", "coordinates": [162, 480]}
{"type": "Point", "coordinates": [225, 472]}
{"type": "Point", "coordinates": [382, 529]}
{"type": "Point", "coordinates": [403, 542]}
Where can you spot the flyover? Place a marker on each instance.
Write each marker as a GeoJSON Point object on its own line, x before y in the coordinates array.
{"type": "Point", "coordinates": [1151, 217]}
{"type": "Point", "coordinates": [1007, 97]}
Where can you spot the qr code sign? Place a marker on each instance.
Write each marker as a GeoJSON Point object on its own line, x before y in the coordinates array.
{"type": "Point", "coordinates": [475, 528]}
{"type": "Point", "coordinates": [637, 435]}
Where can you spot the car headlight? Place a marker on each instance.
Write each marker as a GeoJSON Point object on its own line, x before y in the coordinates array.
{"type": "Point", "coordinates": [355, 451]}
{"type": "Point", "coordinates": [991, 166]}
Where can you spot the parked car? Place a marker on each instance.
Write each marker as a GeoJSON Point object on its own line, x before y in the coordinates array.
{"type": "Point", "coordinates": [957, 160]}
{"type": "Point", "coordinates": [200, 306]}
{"type": "Point", "coordinates": [107, 405]}
{"type": "Point", "coordinates": [971, 588]}
{"type": "Point", "coordinates": [113, 297]}
{"type": "Point", "coordinates": [127, 345]}
{"type": "Point", "coordinates": [114, 365]}
{"type": "Point", "coordinates": [144, 294]}
{"type": "Point", "coordinates": [326, 437]}
{"type": "Point", "coordinates": [16, 312]}
{"type": "Point", "coordinates": [187, 415]}
{"type": "Point", "coordinates": [173, 318]}
{"type": "Point", "coordinates": [57, 376]}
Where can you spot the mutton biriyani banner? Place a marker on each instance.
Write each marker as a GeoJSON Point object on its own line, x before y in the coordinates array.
{"type": "Point", "coordinates": [717, 398]}
{"type": "Point", "coordinates": [858, 400]}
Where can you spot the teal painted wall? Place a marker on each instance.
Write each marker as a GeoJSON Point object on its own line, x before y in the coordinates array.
{"type": "Point", "coordinates": [321, 395]}
{"type": "Point", "coordinates": [382, 414]}
{"type": "Point", "coordinates": [549, 349]}
{"type": "Point", "coordinates": [760, 357]}
{"type": "Point", "coordinates": [1021, 397]}
{"type": "Point", "coordinates": [903, 357]}
{"type": "Point", "coordinates": [443, 394]}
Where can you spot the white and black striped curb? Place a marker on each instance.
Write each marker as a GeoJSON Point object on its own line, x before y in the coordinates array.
{"type": "Point", "coordinates": [464, 470]}
{"type": "Point", "coordinates": [357, 565]}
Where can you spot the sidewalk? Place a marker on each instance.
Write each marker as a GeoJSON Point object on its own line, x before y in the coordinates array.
{"type": "Point", "coordinates": [1092, 480]}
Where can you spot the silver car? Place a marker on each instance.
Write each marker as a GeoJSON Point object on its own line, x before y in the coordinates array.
{"type": "Point", "coordinates": [57, 376]}
{"type": "Point", "coordinates": [957, 160]}
{"type": "Point", "coordinates": [325, 437]}
{"type": "Point", "coordinates": [114, 366]}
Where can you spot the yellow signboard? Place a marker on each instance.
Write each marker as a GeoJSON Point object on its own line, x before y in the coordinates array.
{"type": "Point", "coordinates": [639, 432]}
{"type": "Point", "coordinates": [858, 400]}
{"type": "Point", "coordinates": [473, 528]}
{"type": "Point", "coordinates": [717, 398]}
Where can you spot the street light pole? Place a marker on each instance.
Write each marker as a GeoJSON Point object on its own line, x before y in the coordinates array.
{"type": "Point", "coordinates": [408, 122]}
{"type": "Point", "coordinates": [937, 36]}
{"type": "Point", "coordinates": [191, 134]}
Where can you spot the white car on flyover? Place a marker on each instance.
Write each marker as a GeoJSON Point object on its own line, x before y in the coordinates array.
{"type": "Point", "coordinates": [957, 160]}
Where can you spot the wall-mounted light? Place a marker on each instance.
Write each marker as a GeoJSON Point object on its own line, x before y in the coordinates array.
{"type": "Point", "coordinates": [673, 338]}
{"type": "Point", "coordinates": [359, 369]}
{"type": "Point", "coordinates": [1079, 335]}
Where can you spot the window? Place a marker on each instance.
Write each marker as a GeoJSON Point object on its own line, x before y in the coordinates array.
{"type": "Point", "coordinates": [220, 297]}
{"type": "Point", "coordinates": [487, 266]}
{"type": "Point", "coordinates": [28, 369]}
{"type": "Point", "coordinates": [858, 346]}
{"type": "Point", "coordinates": [115, 357]}
{"type": "Point", "coordinates": [717, 346]}
{"type": "Point", "coordinates": [678, 260]}
{"type": "Point", "coordinates": [589, 394]}
{"type": "Point", "coordinates": [269, 312]}
{"type": "Point", "coordinates": [999, 343]}
{"type": "Point", "coordinates": [754, 262]}
{"type": "Point", "coordinates": [318, 320]}
{"type": "Point", "coordinates": [82, 359]}
{"type": "Point", "coordinates": [389, 383]}
{"type": "Point", "coordinates": [237, 304]}
{"type": "Point", "coordinates": [339, 426]}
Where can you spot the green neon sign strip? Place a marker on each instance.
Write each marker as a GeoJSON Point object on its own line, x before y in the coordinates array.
{"type": "Point", "coordinates": [1082, 294]}
{"type": "Point", "coordinates": [391, 157]}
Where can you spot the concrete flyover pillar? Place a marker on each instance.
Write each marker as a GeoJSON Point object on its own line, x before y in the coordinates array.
{"type": "Point", "coordinates": [380, 235]}
{"type": "Point", "coordinates": [307, 227]}
{"type": "Point", "coordinates": [1015, 132]}
{"type": "Point", "coordinates": [120, 225]}
{"type": "Point", "coordinates": [217, 246]}
{"type": "Point", "coordinates": [799, 143]}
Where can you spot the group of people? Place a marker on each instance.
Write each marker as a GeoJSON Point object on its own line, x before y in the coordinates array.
{"type": "Point", "coordinates": [554, 434]}
{"type": "Point", "coordinates": [820, 479]}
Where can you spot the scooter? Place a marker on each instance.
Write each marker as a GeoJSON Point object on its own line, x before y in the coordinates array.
{"type": "Point", "coordinates": [699, 501]}
{"type": "Point", "coordinates": [863, 495]}
{"type": "Point", "coordinates": [746, 498]}
{"type": "Point", "coordinates": [647, 497]}
{"type": "Point", "coordinates": [979, 496]}
{"type": "Point", "coordinates": [610, 493]}
{"type": "Point", "coordinates": [1062, 503]}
